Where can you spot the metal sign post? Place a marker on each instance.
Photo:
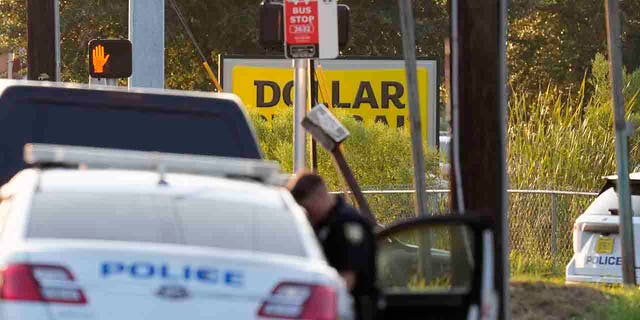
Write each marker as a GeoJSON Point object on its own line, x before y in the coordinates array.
{"type": "Point", "coordinates": [409, 50]}
{"type": "Point", "coordinates": [622, 152]}
{"type": "Point", "coordinates": [301, 70]}
{"type": "Point", "coordinates": [146, 32]}
{"type": "Point", "coordinates": [310, 31]}
{"type": "Point", "coordinates": [324, 127]}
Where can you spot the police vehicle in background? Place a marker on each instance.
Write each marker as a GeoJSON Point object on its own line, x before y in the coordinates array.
{"type": "Point", "coordinates": [155, 204]}
{"type": "Point", "coordinates": [596, 241]}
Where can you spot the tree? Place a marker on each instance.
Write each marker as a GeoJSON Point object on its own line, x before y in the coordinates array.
{"type": "Point", "coordinates": [220, 27]}
{"type": "Point", "coordinates": [553, 41]}
{"type": "Point", "coordinates": [550, 41]}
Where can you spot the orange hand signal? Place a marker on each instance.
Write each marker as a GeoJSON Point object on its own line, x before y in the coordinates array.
{"type": "Point", "coordinates": [99, 59]}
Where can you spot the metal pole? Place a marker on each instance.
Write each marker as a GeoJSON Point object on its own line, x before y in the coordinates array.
{"type": "Point", "coordinates": [97, 81]}
{"type": "Point", "coordinates": [56, 22]}
{"type": "Point", "coordinates": [353, 184]}
{"type": "Point", "coordinates": [300, 71]}
{"type": "Point", "coordinates": [622, 152]}
{"type": "Point", "coordinates": [314, 102]}
{"type": "Point", "coordinates": [10, 65]}
{"type": "Point", "coordinates": [554, 223]}
{"type": "Point", "coordinates": [409, 51]}
{"type": "Point", "coordinates": [204, 60]}
{"type": "Point", "coordinates": [146, 32]}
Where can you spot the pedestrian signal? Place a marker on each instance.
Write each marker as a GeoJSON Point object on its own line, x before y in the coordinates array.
{"type": "Point", "coordinates": [109, 58]}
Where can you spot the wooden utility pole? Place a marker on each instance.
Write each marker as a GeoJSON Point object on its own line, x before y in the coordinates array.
{"type": "Point", "coordinates": [42, 33]}
{"type": "Point", "coordinates": [479, 104]}
{"type": "Point", "coordinates": [622, 139]}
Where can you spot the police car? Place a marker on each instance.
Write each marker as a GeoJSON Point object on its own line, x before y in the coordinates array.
{"type": "Point", "coordinates": [596, 242]}
{"type": "Point", "coordinates": [90, 233]}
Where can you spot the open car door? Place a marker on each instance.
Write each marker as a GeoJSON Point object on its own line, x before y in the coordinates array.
{"type": "Point", "coordinates": [436, 268]}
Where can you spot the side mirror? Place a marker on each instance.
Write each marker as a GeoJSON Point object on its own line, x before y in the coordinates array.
{"type": "Point", "coordinates": [433, 267]}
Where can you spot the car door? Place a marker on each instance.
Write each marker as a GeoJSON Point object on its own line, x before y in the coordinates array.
{"type": "Point", "coordinates": [435, 268]}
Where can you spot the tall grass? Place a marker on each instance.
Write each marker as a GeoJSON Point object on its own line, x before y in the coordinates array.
{"type": "Point", "coordinates": [562, 142]}
{"type": "Point", "coordinates": [379, 156]}
{"type": "Point", "coordinates": [555, 141]}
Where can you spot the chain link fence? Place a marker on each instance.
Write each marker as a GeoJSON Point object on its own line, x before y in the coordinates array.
{"type": "Point", "coordinates": [540, 221]}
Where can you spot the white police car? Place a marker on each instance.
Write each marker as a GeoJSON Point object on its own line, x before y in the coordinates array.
{"type": "Point", "coordinates": [596, 242]}
{"type": "Point", "coordinates": [137, 235]}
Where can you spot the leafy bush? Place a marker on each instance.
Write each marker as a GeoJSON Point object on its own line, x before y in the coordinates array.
{"type": "Point", "coordinates": [379, 156]}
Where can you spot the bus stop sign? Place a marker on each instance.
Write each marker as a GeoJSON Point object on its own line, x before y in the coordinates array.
{"type": "Point", "coordinates": [311, 29]}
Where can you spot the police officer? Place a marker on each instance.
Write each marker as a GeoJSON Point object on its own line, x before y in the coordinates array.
{"type": "Point", "coordinates": [346, 237]}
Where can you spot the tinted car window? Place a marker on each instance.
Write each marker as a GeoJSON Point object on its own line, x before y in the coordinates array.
{"type": "Point", "coordinates": [236, 225]}
{"type": "Point", "coordinates": [100, 216]}
{"type": "Point", "coordinates": [121, 120]}
{"type": "Point", "coordinates": [195, 221]}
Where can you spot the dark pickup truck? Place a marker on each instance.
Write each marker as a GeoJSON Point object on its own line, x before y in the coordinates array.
{"type": "Point", "coordinates": [121, 118]}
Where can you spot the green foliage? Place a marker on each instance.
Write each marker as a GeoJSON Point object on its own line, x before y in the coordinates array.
{"type": "Point", "coordinates": [79, 23]}
{"type": "Point", "coordinates": [553, 41]}
{"type": "Point", "coordinates": [13, 19]}
{"type": "Point", "coordinates": [549, 41]}
{"type": "Point", "coordinates": [566, 142]}
{"type": "Point", "coordinates": [624, 303]}
{"type": "Point", "coordinates": [522, 263]}
{"type": "Point", "coordinates": [220, 27]}
{"type": "Point", "coordinates": [379, 156]}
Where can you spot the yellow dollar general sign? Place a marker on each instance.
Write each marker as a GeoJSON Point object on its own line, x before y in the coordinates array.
{"type": "Point", "coordinates": [368, 90]}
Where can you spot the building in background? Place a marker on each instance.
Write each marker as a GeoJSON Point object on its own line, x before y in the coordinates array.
{"type": "Point", "coordinates": [10, 61]}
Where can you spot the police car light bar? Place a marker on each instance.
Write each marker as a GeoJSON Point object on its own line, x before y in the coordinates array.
{"type": "Point", "coordinates": [264, 171]}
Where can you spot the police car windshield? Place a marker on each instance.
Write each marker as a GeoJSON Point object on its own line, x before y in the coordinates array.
{"type": "Point", "coordinates": [196, 221]}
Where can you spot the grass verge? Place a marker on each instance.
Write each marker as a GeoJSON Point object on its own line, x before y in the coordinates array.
{"type": "Point", "coordinates": [547, 297]}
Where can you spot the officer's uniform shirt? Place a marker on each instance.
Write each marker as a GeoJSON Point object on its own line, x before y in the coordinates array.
{"type": "Point", "coordinates": [349, 245]}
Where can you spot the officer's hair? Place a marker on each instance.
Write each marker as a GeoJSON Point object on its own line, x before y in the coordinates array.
{"type": "Point", "coordinates": [304, 184]}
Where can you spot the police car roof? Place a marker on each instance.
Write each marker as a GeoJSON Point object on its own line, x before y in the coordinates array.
{"type": "Point", "coordinates": [142, 119]}
{"type": "Point", "coordinates": [632, 176]}
{"type": "Point", "coordinates": [145, 182]}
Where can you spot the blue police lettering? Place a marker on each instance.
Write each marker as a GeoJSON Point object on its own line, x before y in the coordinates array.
{"type": "Point", "coordinates": [111, 268]}
{"type": "Point", "coordinates": [187, 273]}
{"type": "Point", "coordinates": [604, 260]}
{"type": "Point", "coordinates": [207, 275]}
{"type": "Point", "coordinates": [147, 270]}
{"type": "Point", "coordinates": [142, 270]}
{"type": "Point", "coordinates": [165, 273]}
{"type": "Point", "coordinates": [233, 278]}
